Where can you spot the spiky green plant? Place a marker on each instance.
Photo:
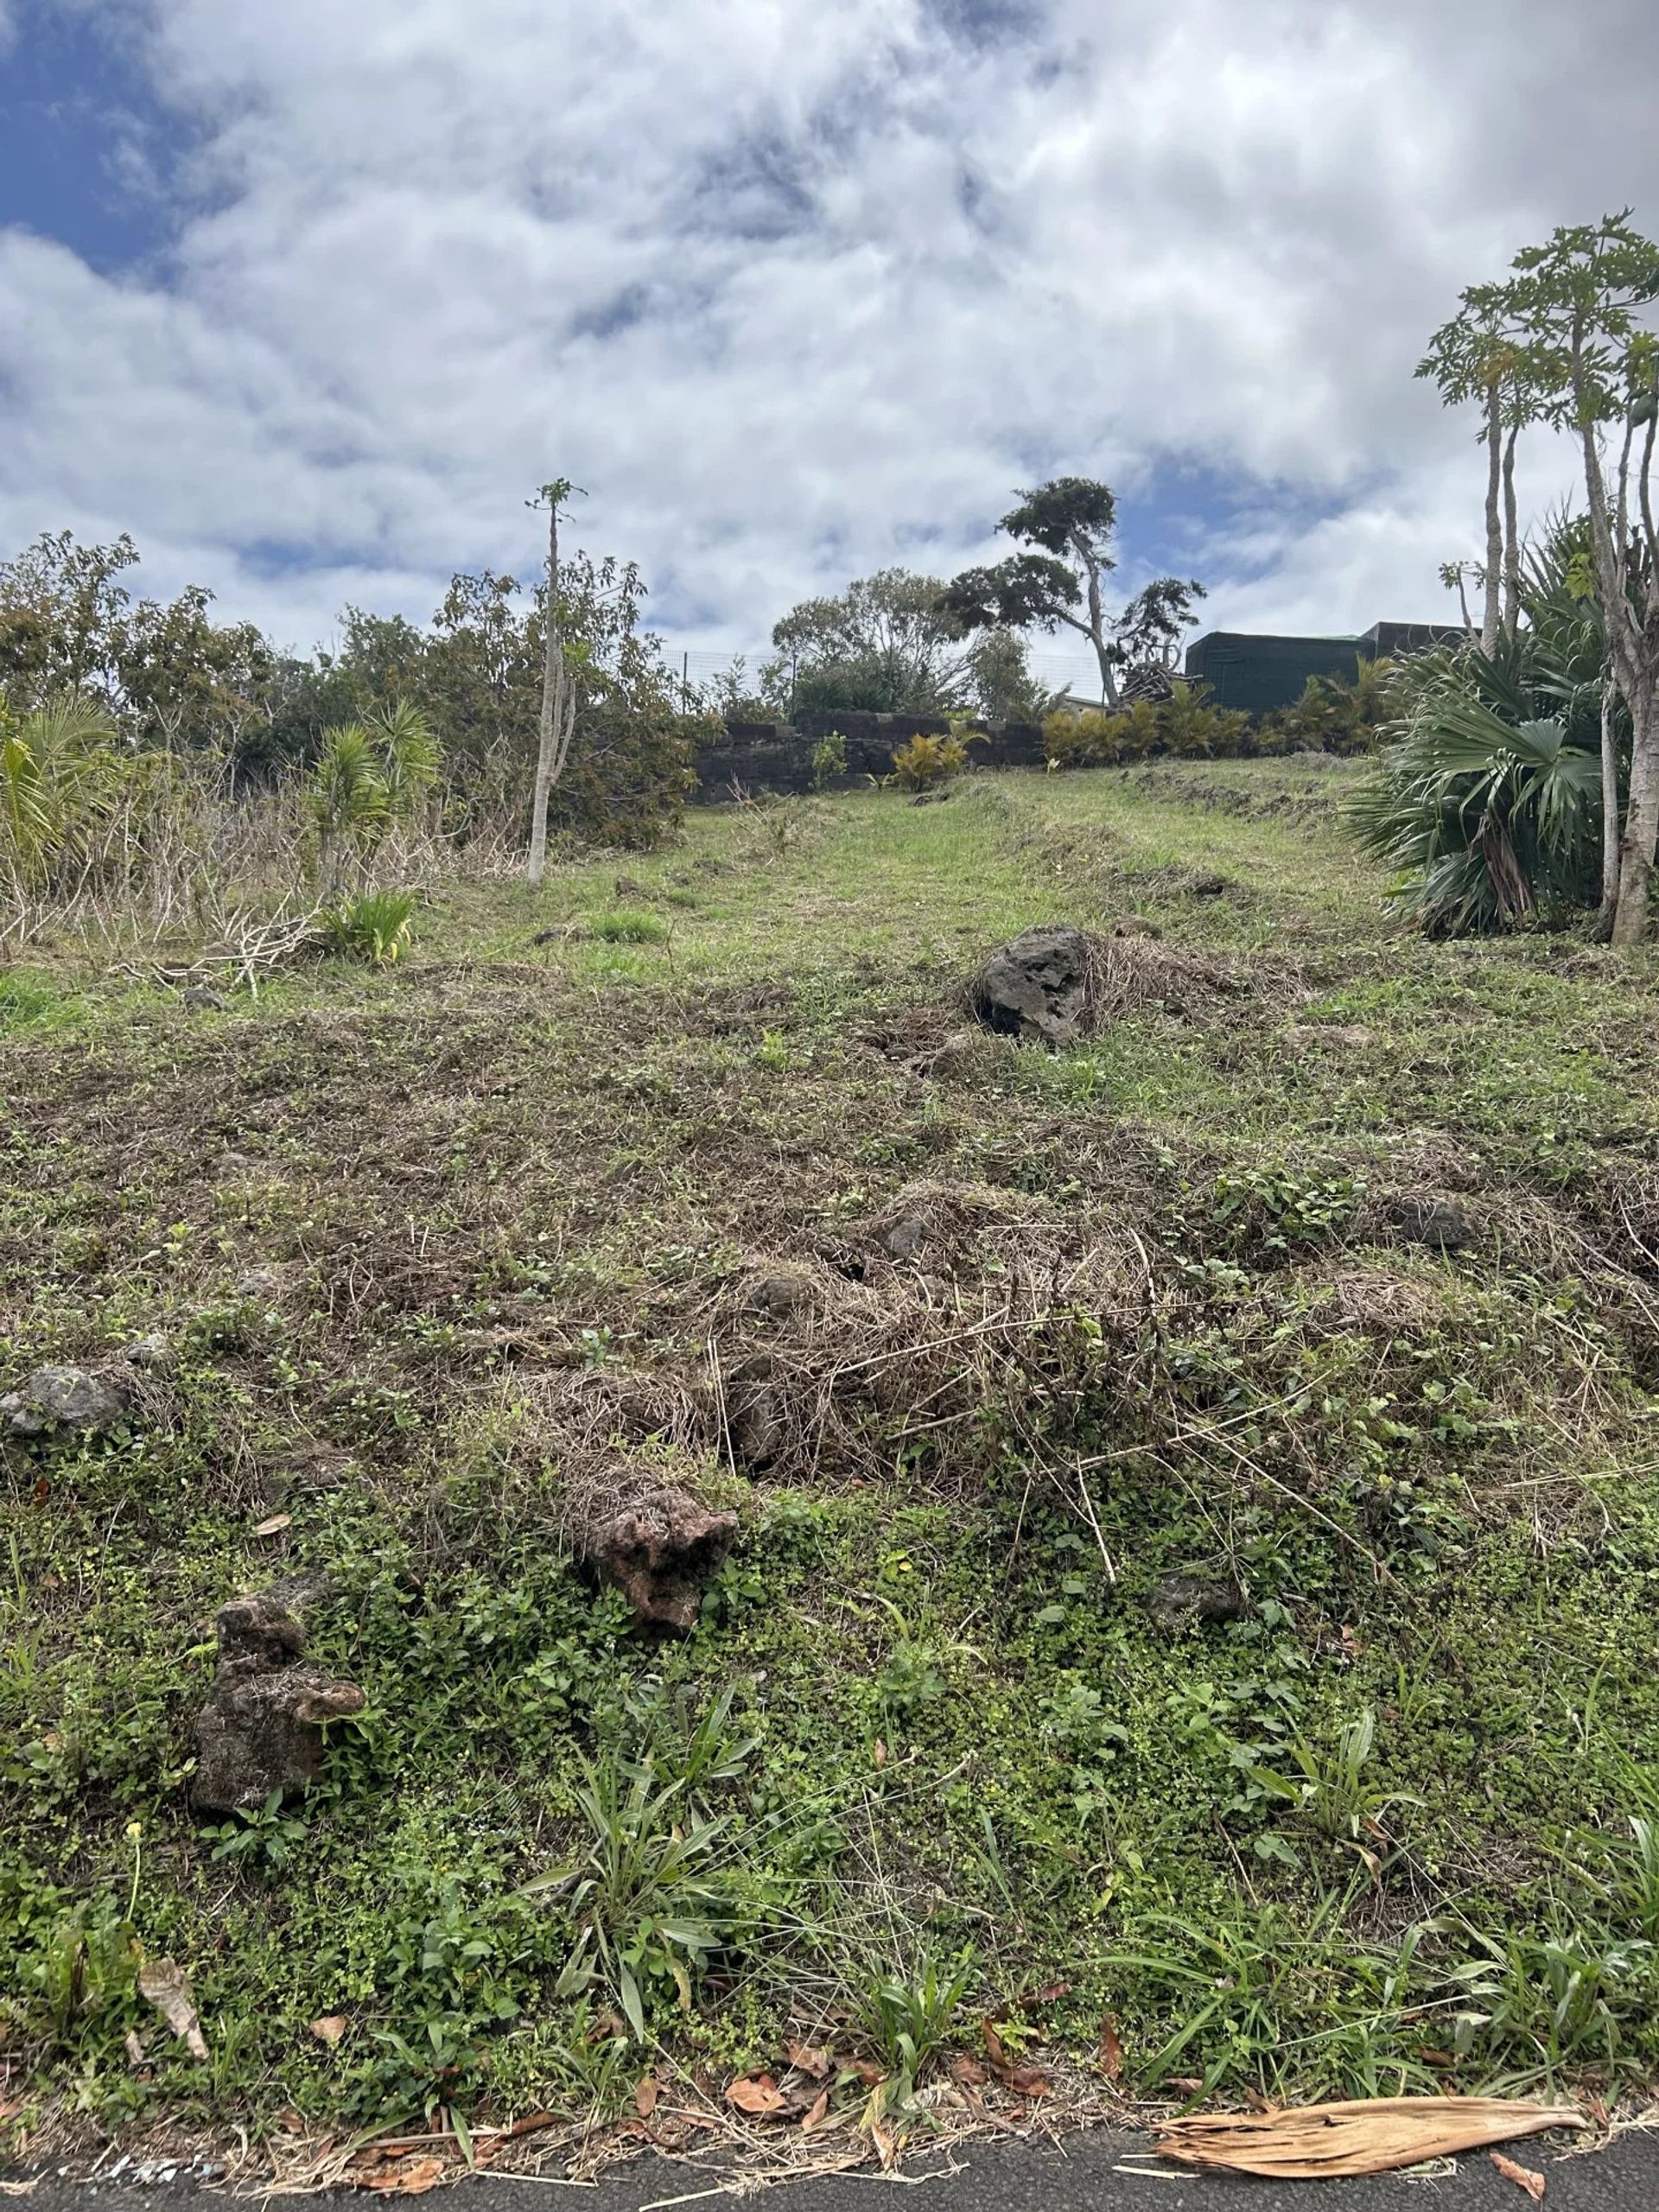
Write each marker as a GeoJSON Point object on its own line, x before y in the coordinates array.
{"type": "Point", "coordinates": [410, 756]}
{"type": "Point", "coordinates": [60, 777]}
{"type": "Point", "coordinates": [374, 926]}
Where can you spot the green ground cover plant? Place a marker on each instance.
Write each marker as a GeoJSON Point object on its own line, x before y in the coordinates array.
{"type": "Point", "coordinates": [1172, 1596]}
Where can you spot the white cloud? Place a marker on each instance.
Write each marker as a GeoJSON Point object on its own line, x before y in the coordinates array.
{"type": "Point", "coordinates": [790, 288]}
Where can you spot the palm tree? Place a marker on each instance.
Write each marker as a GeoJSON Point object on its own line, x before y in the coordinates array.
{"type": "Point", "coordinates": [60, 777]}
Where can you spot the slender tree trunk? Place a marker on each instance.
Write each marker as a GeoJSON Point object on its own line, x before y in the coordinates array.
{"type": "Point", "coordinates": [549, 758]}
{"type": "Point", "coordinates": [1511, 538]}
{"type": "Point", "coordinates": [1609, 795]}
{"type": "Point", "coordinates": [1463, 601]}
{"type": "Point", "coordinates": [1494, 516]}
{"type": "Point", "coordinates": [1097, 638]}
{"type": "Point", "coordinates": [1641, 823]}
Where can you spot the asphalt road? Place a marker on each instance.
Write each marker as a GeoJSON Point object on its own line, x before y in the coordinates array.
{"type": "Point", "coordinates": [1092, 2172]}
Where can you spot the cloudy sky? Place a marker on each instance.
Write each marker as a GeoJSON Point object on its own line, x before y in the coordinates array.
{"type": "Point", "coordinates": [309, 295]}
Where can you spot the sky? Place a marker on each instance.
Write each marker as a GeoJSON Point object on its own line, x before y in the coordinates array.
{"type": "Point", "coordinates": [309, 297]}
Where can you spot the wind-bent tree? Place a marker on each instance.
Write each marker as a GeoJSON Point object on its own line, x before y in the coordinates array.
{"type": "Point", "coordinates": [1071, 520]}
{"type": "Point", "coordinates": [558, 715]}
{"type": "Point", "coordinates": [1578, 302]}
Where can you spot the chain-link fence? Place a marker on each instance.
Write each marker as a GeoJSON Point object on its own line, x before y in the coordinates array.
{"type": "Point", "coordinates": [710, 677]}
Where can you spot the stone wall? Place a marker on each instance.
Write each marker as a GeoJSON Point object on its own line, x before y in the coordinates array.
{"type": "Point", "coordinates": [756, 757]}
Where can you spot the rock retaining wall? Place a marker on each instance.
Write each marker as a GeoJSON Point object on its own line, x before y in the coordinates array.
{"type": "Point", "coordinates": [756, 757]}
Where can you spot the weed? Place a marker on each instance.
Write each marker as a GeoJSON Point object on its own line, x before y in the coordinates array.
{"type": "Point", "coordinates": [370, 926]}
{"type": "Point", "coordinates": [628, 925]}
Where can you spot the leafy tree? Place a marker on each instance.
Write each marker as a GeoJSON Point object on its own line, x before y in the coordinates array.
{"type": "Point", "coordinates": [186, 681]}
{"type": "Point", "coordinates": [1578, 303]}
{"type": "Point", "coordinates": [1071, 520]}
{"type": "Point", "coordinates": [61, 616]}
{"type": "Point", "coordinates": [999, 672]}
{"type": "Point", "coordinates": [1150, 628]}
{"type": "Point", "coordinates": [888, 644]}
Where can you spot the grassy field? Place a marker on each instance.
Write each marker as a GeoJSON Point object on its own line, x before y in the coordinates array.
{"type": "Point", "coordinates": [1175, 1617]}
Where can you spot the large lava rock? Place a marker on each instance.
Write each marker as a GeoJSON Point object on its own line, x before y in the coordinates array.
{"type": "Point", "coordinates": [72, 1398]}
{"type": "Point", "coordinates": [662, 1551]}
{"type": "Point", "coordinates": [261, 1729]}
{"type": "Point", "coordinates": [1037, 986]}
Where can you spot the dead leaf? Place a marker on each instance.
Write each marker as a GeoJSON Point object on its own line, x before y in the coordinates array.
{"type": "Point", "coordinates": [1111, 2049]}
{"type": "Point", "coordinates": [880, 1752]}
{"type": "Point", "coordinates": [757, 2094]}
{"type": "Point", "coordinates": [42, 1491]}
{"type": "Point", "coordinates": [865, 2070]}
{"type": "Point", "coordinates": [886, 2148]}
{"type": "Point", "coordinates": [967, 2073]}
{"type": "Point", "coordinates": [1026, 2080]}
{"type": "Point", "coordinates": [1369, 2136]}
{"type": "Point", "coordinates": [411, 2180]}
{"type": "Point", "coordinates": [810, 2060]}
{"type": "Point", "coordinates": [329, 2028]}
{"type": "Point", "coordinates": [277, 1524]}
{"type": "Point", "coordinates": [135, 2049]}
{"type": "Point", "coordinates": [1522, 2176]}
{"type": "Point", "coordinates": [646, 2095]}
{"type": "Point", "coordinates": [167, 1989]}
{"type": "Point", "coordinates": [19, 2188]}
{"type": "Point", "coordinates": [820, 2107]}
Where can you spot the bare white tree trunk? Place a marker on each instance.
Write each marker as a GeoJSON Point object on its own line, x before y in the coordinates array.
{"type": "Point", "coordinates": [558, 706]}
{"type": "Point", "coordinates": [1608, 794]}
{"type": "Point", "coordinates": [1511, 538]}
{"type": "Point", "coordinates": [1494, 515]}
{"type": "Point", "coordinates": [1641, 826]}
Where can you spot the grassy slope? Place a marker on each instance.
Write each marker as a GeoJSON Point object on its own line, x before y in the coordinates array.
{"type": "Point", "coordinates": [509, 1187]}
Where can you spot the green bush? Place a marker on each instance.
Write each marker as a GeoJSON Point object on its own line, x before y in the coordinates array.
{"type": "Point", "coordinates": [1186, 727]}
{"type": "Point", "coordinates": [828, 758]}
{"type": "Point", "coordinates": [371, 926]}
{"type": "Point", "coordinates": [924, 761]}
{"type": "Point", "coordinates": [629, 769]}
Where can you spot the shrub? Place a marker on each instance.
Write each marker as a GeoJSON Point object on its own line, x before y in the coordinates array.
{"type": "Point", "coordinates": [924, 761]}
{"type": "Point", "coordinates": [628, 925]}
{"type": "Point", "coordinates": [1187, 726]}
{"type": "Point", "coordinates": [373, 925]}
{"type": "Point", "coordinates": [828, 758]}
{"type": "Point", "coordinates": [629, 767]}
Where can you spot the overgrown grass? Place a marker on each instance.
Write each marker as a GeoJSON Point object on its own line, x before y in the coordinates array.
{"type": "Point", "coordinates": [943, 1739]}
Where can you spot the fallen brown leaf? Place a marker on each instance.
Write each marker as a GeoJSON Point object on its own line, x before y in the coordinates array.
{"type": "Point", "coordinates": [967, 2073]}
{"type": "Point", "coordinates": [646, 2095]}
{"type": "Point", "coordinates": [411, 2180]}
{"type": "Point", "coordinates": [274, 1525]}
{"type": "Point", "coordinates": [757, 2094]}
{"type": "Point", "coordinates": [1370, 2136]}
{"type": "Point", "coordinates": [167, 1989]}
{"type": "Point", "coordinates": [810, 2060]}
{"type": "Point", "coordinates": [1111, 2049]}
{"type": "Point", "coordinates": [821, 2106]}
{"type": "Point", "coordinates": [1026, 2080]}
{"type": "Point", "coordinates": [329, 2028]}
{"type": "Point", "coordinates": [1522, 2176]}
{"type": "Point", "coordinates": [865, 2070]}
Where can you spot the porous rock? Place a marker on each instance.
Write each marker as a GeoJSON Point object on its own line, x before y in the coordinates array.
{"type": "Point", "coordinates": [258, 1282]}
{"type": "Point", "coordinates": [904, 1238]}
{"type": "Point", "coordinates": [1036, 986]}
{"type": "Point", "coordinates": [261, 1728]}
{"type": "Point", "coordinates": [67, 1398]}
{"type": "Point", "coordinates": [780, 1295]}
{"type": "Point", "coordinates": [1179, 1601]}
{"type": "Point", "coordinates": [662, 1551]}
{"type": "Point", "coordinates": [153, 1352]}
{"type": "Point", "coordinates": [1433, 1221]}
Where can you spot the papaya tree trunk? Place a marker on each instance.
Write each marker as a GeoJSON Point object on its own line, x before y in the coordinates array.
{"type": "Point", "coordinates": [1641, 822]}
{"type": "Point", "coordinates": [1608, 794]}
{"type": "Point", "coordinates": [1511, 538]}
{"type": "Point", "coordinates": [554, 719]}
{"type": "Point", "coordinates": [1494, 578]}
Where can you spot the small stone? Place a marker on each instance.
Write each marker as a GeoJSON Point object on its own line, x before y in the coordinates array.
{"type": "Point", "coordinates": [152, 1353]}
{"type": "Point", "coordinates": [1208, 886]}
{"type": "Point", "coordinates": [663, 1553]}
{"type": "Point", "coordinates": [1135, 925]}
{"type": "Point", "coordinates": [756, 1414]}
{"type": "Point", "coordinates": [1433, 1221]}
{"type": "Point", "coordinates": [54, 1398]}
{"type": "Point", "coordinates": [258, 1282]}
{"type": "Point", "coordinates": [904, 1237]}
{"type": "Point", "coordinates": [1179, 1601]}
{"type": "Point", "coordinates": [960, 1053]}
{"type": "Point", "coordinates": [200, 1000]}
{"type": "Point", "coordinates": [260, 1730]}
{"type": "Point", "coordinates": [779, 1296]}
